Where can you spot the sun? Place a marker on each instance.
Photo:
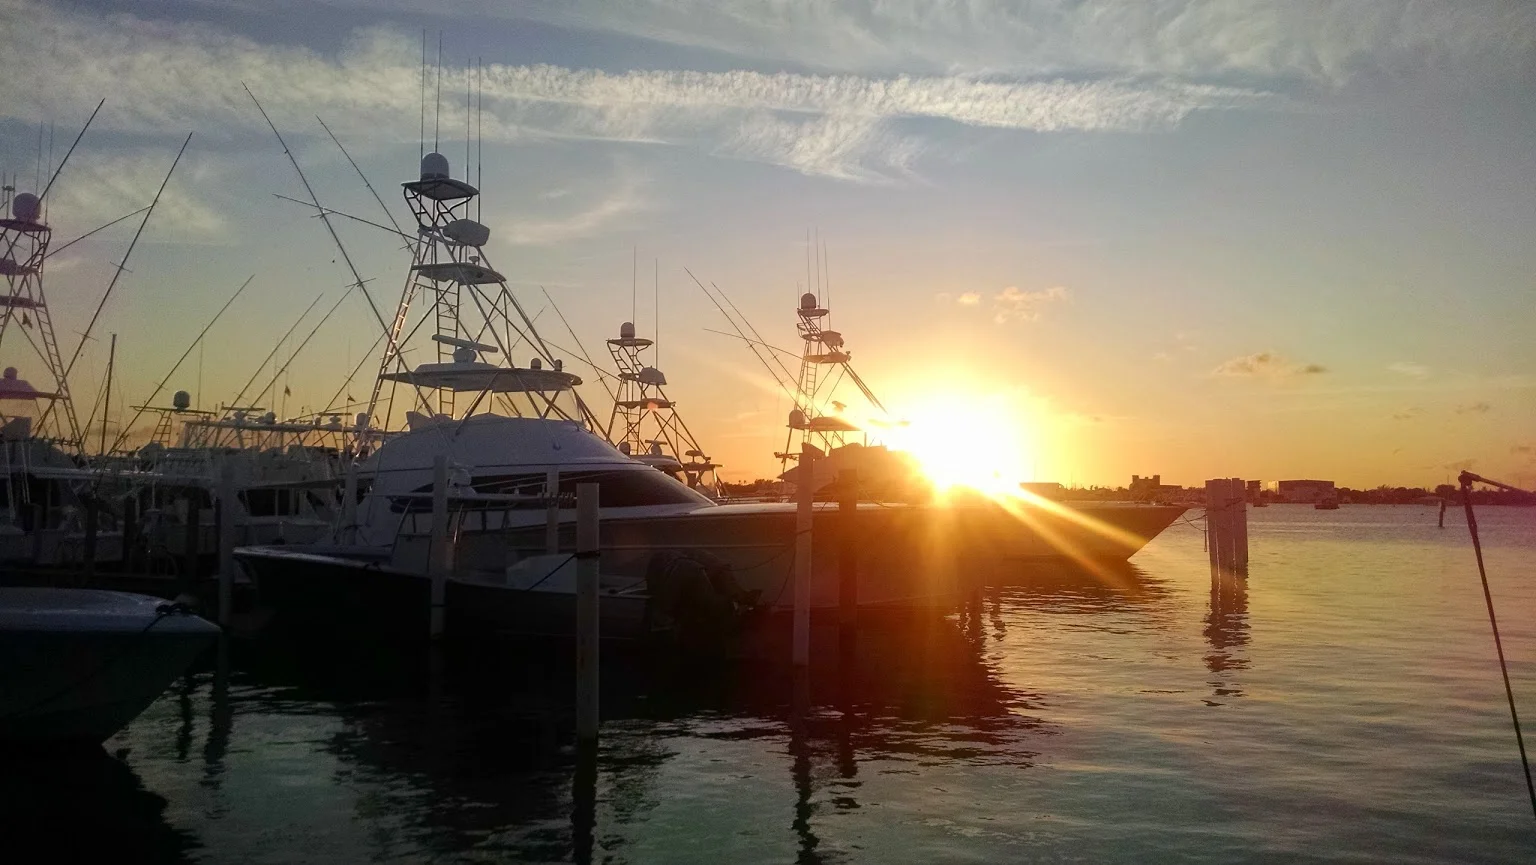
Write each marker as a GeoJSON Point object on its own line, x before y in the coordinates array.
{"type": "Point", "coordinates": [976, 442]}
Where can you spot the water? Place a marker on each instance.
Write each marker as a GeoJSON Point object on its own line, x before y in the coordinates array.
{"type": "Point", "coordinates": [1344, 706]}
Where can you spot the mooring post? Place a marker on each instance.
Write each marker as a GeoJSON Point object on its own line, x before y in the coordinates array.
{"type": "Point", "coordinates": [192, 541]}
{"type": "Point", "coordinates": [1239, 525]}
{"type": "Point", "coordinates": [227, 508]}
{"type": "Point", "coordinates": [1442, 512]}
{"type": "Point", "coordinates": [805, 498]}
{"type": "Point", "coordinates": [848, 549]}
{"type": "Point", "coordinates": [130, 532]}
{"type": "Point", "coordinates": [552, 512]}
{"type": "Point", "coordinates": [92, 511]}
{"type": "Point", "coordinates": [438, 556]}
{"type": "Point", "coordinates": [587, 561]}
{"type": "Point", "coordinates": [349, 502]}
{"type": "Point", "coordinates": [1213, 499]}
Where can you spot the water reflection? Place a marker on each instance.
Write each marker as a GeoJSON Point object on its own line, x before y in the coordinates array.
{"type": "Point", "coordinates": [477, 754]}
{"type": "Point", "coordinates": [1226, 633]}
{"type": "Point", "coordinates": [84, 806]}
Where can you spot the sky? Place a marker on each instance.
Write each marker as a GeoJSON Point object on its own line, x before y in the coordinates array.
{"type": "Point", "coordinates": [1081, 238]}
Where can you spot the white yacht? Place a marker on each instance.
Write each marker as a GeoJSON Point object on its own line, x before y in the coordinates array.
{"type": "Point", "coordinates": [76, 665]}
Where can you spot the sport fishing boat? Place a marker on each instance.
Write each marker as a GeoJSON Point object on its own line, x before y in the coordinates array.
{"type": "Point", "coordinates": [518, 441]}
{"type": "Point", "coordinates": [76, 665]}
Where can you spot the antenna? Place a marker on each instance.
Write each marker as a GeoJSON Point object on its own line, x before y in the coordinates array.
{"type": "Point", "coordinates": [421, 149]}
{"type": "Point", "coordinates": [807, 266]}
{"type": "Point", "coordinates": [826, 280]}
{"type": "Point", "coordinates": [634, 269]}
{"type": "Point", "coordinates": [479, 133]}
{"type": "Point", "coordinates": [437, 118]}
{"type": "Point", "coordinates": [656, 344]}
{"type": "Point", "coordinates": [467, 80]}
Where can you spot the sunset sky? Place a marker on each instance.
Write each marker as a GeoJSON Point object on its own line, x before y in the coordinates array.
{"type": "Point", "coordinates": [1266, 239]}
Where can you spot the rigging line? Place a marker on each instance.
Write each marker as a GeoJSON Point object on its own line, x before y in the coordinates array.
{"type": "Point", "coordinates": [1467, 479]}
{"type": "Point", "coordinates": [273, 353]}
{"type": "Point", "coordinates": [302, 343]}
{"type": "Point", "coordinates": [468, 80]}
{"type": "Point", "coordinates": [868, 394]}
{"type": "Point", "coordinates": [123, 433]}
{"type": "Point", "coordinates": [329, 212]}
{"type": "Point", "coordinates": [479, 133]}
{"type": "Point", "coordinates": [120, 269]}
{"type": "Point", "coordinates": [785, 384]}
{"type": "Point", "coordinates": [44, 194]}
{"type": "Point", "coordinates": [364, 177]}
{"type": "Point", "coordinates": [58, 249]}
{"type": "Point", "coordinates": [357, 278]}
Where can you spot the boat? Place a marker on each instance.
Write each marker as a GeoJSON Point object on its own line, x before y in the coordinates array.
{"type": "Point", "coordinates": [1328, 504]}
{"type": "Point", "coordinates": [76, 665]}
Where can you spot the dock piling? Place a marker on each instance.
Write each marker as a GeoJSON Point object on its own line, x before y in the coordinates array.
{"type": "Point", "coordinates": [805, 500]}
{"type": "Point", "coordinates": [440, 556]}
{"type": "Point", "coordinates": [191, 542]}
{"type": "Point", "coordinates": [848, 549]}
{"type": "Point", "coordinates": [588, 559]}
{"type": "Point", "coordinates": [552, 512]}
{"type": "Point", "coordinates": [1226, 521]}
{"type": "Point", "coordinates": [226, 522]}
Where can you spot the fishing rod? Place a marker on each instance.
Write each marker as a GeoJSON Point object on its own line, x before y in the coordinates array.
{"type": "Point", "coordinates": [121, 268]}
{"type": "Point", "coordinates": [123, 433]}
{"type": "Point", "coordinates": [584, 354]}
{"type": "Point", "coordinates": [44, 194]}
{"type": "Point", "coordinates": [275, 348]}
{"type": "Point", "coordinates": [302, 343]}
{"type": "Point", "coordinates": [58, 249]}
{"type": "Point", "coordinates": [357, 278]}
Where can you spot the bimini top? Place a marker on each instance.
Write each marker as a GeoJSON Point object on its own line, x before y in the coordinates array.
{"type": "Point", "coordinates": [479, 376]}
{"type": "Point", "coordinates": [462, 272]}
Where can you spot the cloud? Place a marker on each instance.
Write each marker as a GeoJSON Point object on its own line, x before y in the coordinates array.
{"type": "Point", "coordinates": [161, 75]}
{"type": "Point", "coordinates": [1267, 365]}
{"type": "Point", "coordinates": [1523, 449]}
{"type": "Point", "coordinates": [1408, 413]}
{"type": "Point", "coordinates": [1327, 43]}
{"type": "Point", "coordinates": [618, 198]}
{"type": "Point", "coordinates": [970, 298]}
{"type": "Point", "coordinates": [1474, 408]}
{"type": "Point", "coordinates": [1412, 370]}
{"type": "Point", "coordinates": [1015, 304]}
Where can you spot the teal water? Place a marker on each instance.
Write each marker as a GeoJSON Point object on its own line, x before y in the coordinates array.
{"type": "Point", "coordinates": [1343, 704]}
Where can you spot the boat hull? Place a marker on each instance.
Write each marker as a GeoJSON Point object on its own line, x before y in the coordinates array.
{"type": "Point", "coordinates": [77, 665]}
{"type": "Point", "coordinates": [313, 593]}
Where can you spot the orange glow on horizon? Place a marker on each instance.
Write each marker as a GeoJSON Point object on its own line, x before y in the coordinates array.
{"type": "Point", "coordinates": [976, 442]}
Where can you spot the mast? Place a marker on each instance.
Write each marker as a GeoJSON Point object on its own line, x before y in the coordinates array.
{"type": "Point", "coordinates": [106, 408]}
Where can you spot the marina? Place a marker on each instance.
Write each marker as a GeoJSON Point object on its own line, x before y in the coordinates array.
{"type": "Point", "coordinates": [372, 559]}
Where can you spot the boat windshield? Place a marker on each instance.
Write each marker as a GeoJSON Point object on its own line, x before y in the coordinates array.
{"type": "Point", "coordinates": [617, 488]}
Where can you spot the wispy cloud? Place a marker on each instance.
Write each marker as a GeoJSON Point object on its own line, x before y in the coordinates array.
{"type": "Point", "coordinates": [160, 75]}
{"type": "Point", "coordinates": [1266, 365]}
{"type": "Point", "coordinates": [1016, 304]}
{"type": "Point", "coordinates": [1327, 42]}
{"type": "Point", "coordinates": [1409, 413]}
{"type": "Point", "coordinates": [1410, 369]}
{"type": "Point", "coordinates": [617, 198]}
{"type": "Point", "coordinates": [1474, 408]}
{"type": "Point", "coordinates": [970, 298]}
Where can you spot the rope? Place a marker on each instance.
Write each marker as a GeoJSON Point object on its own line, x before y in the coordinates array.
{"type": "Point", "coordinates": [553, 571]}
{"type": "Point", "coordinates": [1477, 547]}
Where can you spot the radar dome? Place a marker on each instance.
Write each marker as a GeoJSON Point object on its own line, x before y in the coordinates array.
{"type": "Point", "coordinates": [807, 301]}
{"type": "Point", "coordinates": [535, 364]}
{"type": "Point", "coordinates": [10, 372]}
{"type": "Point", "coordinates": [26, 207]}
{"type": "Point", "coordinates": [796, 418]}
{"type": "Point", "coordinates": [362, 420]}
{"type": "Point", "coordinates": [182, 400]}
{"type": "Point", "coordinates": [624, 448]}
{"type": "Point", "coordinates": [434, 166]}
{"type": "Point", "coordinates": [464, 354]}
{"type": "Point", "coordinates": [627, 330]}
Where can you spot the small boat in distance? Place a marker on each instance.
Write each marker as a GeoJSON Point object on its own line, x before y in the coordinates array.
{"type": "Point", "coordinates": [1331, 503]}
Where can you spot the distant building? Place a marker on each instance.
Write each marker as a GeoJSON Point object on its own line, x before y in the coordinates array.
{"type": "Point", "coordinates": [1255, 491]}
{"type": "Point", "coordinates": [1151, 488]}
{"type": "Point", "coordinates": [1044, 489]}
{"type": "Point", "coordinates": [1305, 491]}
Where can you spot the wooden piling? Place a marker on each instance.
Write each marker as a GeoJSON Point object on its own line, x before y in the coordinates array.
{"type": "Point", "coordinates": [228, 507]}
{"type": "Point", "coordinates": [805, 500]}
{"type": "Point", "coordinates": [439, 559]}
{"type": "Point", "coordinates": [130, 533]}
{"type": "Point", "coordinates": [1226, 522]}
{"type": "Point", "coordinates": [92, 519]}
{"type": "Point", "coordinates": [192, 541]}
{"type": "Point", "coordinates": [1442, 513]}
{"type": "Point", "coordinates": [588, 560]}
{"type": "Point", "coordinates": [848, 549]}
{"type": "Point", "coordinates": [552, 512]}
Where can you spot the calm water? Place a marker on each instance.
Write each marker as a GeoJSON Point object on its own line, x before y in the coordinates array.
{"type": "Point", "coordinates": [1343, 705]}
